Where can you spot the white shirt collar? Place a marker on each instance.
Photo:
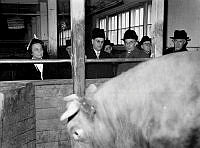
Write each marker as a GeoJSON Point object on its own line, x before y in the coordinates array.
{"type": "Point", "coordinates": [97, 53]}
{"type": "Point", "coordinates": [39, 67]}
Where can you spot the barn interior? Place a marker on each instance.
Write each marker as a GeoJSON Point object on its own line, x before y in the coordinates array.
{"type": "Point", "coordinates": [30, 109]}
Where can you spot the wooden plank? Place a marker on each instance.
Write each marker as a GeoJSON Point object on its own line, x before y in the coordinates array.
{"type": "Point", "coordinates": [52, 28]}
{"type": "Point", "coordinates": [78, 45]}
{"type": "Point", "coordinates": [157, 26]}
{"type": "Point", "coordinates": [145, 18]}
{"type": "Point", "coordinates": [43, 21]}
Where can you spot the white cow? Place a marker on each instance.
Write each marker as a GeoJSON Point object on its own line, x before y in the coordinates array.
{"type": "Point", "coordinates": [153, 105]}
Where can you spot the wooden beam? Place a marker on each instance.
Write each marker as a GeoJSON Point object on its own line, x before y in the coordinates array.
{"type": "Point", "coordinates": [78, 45]}
{"type": "Point", "coordinates": [43, 20]}
{"type": "Point", "coordinates": [157, 27]}
{"type": "Point", "coordinates": [52, 28]}
{"type": "Point", "coordinates": [78, 52]}
{"type": "Point", "coordinates": [145, 19]}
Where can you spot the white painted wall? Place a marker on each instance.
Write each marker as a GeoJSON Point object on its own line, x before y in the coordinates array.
{"type": "Point", "coordinates": [184, 14]}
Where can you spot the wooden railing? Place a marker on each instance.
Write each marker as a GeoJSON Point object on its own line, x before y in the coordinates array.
{"type": "Point", "coordinates": [117, 60]}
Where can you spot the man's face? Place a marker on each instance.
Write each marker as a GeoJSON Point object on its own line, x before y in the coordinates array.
{"type": "Point", "coordinates": [146, 46]}
{"type": "Point", "coordinates": [179, 43]}
{"type": "Point", "coordinates": [130, 44]}
{"type": "Point", "coordinates": [97, 43]}
{"type": "Point", "coordinates": [108, 48]}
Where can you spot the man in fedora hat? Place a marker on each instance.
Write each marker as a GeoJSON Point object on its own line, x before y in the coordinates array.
{"type": "Point", "coordinates": [98, 70]}
{"type": "Point", "coordinates": [108, 46]}
{"type": "Point", "coordinates": [145, 45]}
{"type": "Point", "coordinates": [131, 50]}
{"type": "Point", "coordinates": [180, 40]}
{"type": "Point", "coordinates": [130, 41]}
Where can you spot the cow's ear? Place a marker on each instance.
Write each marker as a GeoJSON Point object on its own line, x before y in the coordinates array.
{"type": "Point", "coordinates": [91, 89]}
{"type": "Point", "coordinates": [72, 108]}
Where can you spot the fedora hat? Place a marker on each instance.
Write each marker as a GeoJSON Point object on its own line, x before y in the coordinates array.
{"type": "Point", "coordinates": [130, 34]}
{"type": "Point", "coordinates": [98, 33]}
{"type": "Point", "coordinates": [107, 42]}
{"type": "Point", "coordinates": [180, 34]}
{"type": "Point", "coordinates": [144, 39]}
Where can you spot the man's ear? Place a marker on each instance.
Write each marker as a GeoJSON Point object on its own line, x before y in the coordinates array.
{"type": "Point", "coordinates": [92, 41]}
{"type": "Point", "coordinates": [184, 42]}
{"type": "Point", "coordinates": [142, 46]}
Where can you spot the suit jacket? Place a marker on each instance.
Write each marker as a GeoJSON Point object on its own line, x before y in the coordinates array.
{"type": "Point", "coordinates": [30, 72]}
{"type": "Point", "coordinates": [172, 50]}
{"type": "Point", "coordinates": [98, 70]}
{"type": "Point", "coordinates": [136, 53]}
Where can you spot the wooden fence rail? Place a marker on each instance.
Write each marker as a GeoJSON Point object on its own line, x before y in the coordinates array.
{"type": "Point", "coordinates": [117, 60]}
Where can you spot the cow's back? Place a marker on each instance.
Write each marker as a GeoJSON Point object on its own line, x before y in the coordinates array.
{"type": "Point", "coordinates": [161, 97]}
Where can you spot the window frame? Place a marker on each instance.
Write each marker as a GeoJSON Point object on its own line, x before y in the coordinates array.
{"type": "Point", "coordinates": [119, 36]}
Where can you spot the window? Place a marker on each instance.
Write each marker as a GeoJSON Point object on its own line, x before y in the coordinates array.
{"type": "Point", "coordinates": [119, 23]}
{"type": "Point", "coordinates": [149, 21]}
{"type": "Point", "coordinates": [103, 24]}
{"type": "Point", "coordinates": [137, 24]}
{"type": "Point", "coordinates": [112, 29]}
{"type": "Point", "coordinates": [63, 36]}
{"type": "Point", "coordinates": [123, 25]}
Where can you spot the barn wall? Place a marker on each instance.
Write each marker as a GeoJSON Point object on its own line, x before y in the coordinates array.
{"type": "Point", "coordinates": [184, 14]}
{"type": "Point", "coordinates": [17, 116]}
{"type": "Point", "coordinates": [31, 112]}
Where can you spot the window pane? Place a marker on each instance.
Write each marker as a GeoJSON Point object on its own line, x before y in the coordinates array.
{"type": "Point", "coordinates": [103, 23]}
{"type": "Point", "coordinates": [127, 19]}
{"type": "Point", "coordinates": [115, 22]}
{"type": "Point", "coordinates": [149, 14]}
{"type": "Point", "coordinates": [132, 17]}
{"type": "Point", "coordinates": [112, 29]}
{"type": "Point", "coordinates": [115, 37]}
{"type": "Point", "coordinates": [119, 36]}
{"type": "Point", "coordinates": [141, 15]}
{"type": "Point", "coordinates": [119, 20]}
{"type": "Point", "coordinates": [123, 20]}
{"type": "Point", "coordinates": [110, 22]}
{"type": "Point", "coordinates": [137, 17]}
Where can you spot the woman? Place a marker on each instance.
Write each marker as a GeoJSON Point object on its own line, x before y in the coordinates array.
{"type": "Point", "coordinates": [36, 50]}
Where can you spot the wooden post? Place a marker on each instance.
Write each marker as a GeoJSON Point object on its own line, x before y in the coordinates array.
{"type": "Point", "coordinates": [78, 45]}
{"type": "Point", "coordinates": [145, 18]}
{"type": "Point", "coordinates": [43, 20]}
{"type": "Point", "coordinates": [52, 28]}
{"type": "Point", "coordinates": [157, 26]}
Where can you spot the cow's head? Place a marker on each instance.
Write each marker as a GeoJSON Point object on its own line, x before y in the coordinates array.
{"type": "Point", "coordinates": [79, 115]}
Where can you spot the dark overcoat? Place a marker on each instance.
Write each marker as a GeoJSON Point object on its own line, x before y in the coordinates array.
{"type": "Point", "coordinates": [98, 70]}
